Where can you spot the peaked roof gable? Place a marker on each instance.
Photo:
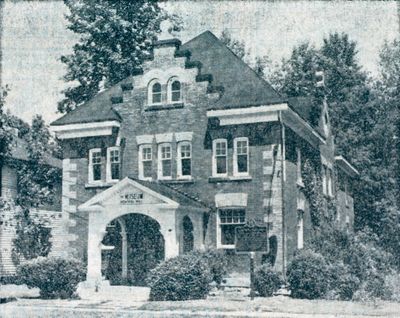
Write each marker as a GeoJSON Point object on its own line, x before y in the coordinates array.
{"type": "Point", "coordinates": [126, 183]}
{"type": "Point", "coordinates": [242, 86]}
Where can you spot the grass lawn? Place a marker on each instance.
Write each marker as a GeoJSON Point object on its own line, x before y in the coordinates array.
{"type": "Point", "coordinates": [279, 304]}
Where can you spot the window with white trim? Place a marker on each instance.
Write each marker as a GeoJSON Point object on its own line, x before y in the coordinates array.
{"type": "Point", "coordinates": [154, 92]}
{"type": "Point", "coordinates": [145, 162]}
{"type": "Point", "coordinates": [94, 165]}
{"type": "Point", "coordinates": [241, 156]}
{"type": "Point", "coordinates": [184, 162]}
{"type": "Point", "coordinates": [300, 229]}
{"type": "Point", "coordinates": [324, 180]}
{"type": "Point", "coordinates": [229, 220]}
{"type": "Point", "coordinates": [329, 178]}
{"type": "Point", "coordinates": [164, 161]}
{"type": "Point", "coordinates": [220, 156]}
{"type": "Point", "coordinates": [113, 164]}
{"type": "Point", "coordinates": [299, 176]}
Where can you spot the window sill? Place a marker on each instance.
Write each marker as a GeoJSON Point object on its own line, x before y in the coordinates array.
{"type": "Point", "coordinates": [163, 107]}
{"type": "Point", "coordinates": [229, 179]}
{"type": "Point", "coordinates": [177, 181]}
{"type": "Point", "coordinates": [226, 247]}
{"type": "Point", "coordinates": [93, 185]}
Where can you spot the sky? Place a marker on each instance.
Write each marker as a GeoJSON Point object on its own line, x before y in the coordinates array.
{"type": "Point", "coordinates": [35, 36]}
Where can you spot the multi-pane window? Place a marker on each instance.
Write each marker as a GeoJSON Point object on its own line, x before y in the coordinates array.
{"type": "Point", "coordinates": [229, 220]}
{"type": "Point", "coordinates": [113, 164]}
{"type": "Point", "coordinates": [156, 93]}
{"type": "Point", "coordinates": [220, 151]}
{"type": "Point", "coordinates": [145, 161]}
{"type": "Point", "coordinates": [94, 165]}
{"type": "Point", "coordinates": [184, 160]}
{"type": "Point", "coordinates": [241, 156]}
{"type": "Point", "coordinates": [165, 161]}
{"type": "Point", "coordinates": [175, 91]}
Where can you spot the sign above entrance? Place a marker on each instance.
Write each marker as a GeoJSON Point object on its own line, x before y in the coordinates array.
{"type": "Point", "coordinates": [131, 198]}
{"type": "Point", "coordinates": [251, 239]}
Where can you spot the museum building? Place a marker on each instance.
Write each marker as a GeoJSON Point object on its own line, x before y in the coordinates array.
{"type": "Point", "coordinates": [189, 147]}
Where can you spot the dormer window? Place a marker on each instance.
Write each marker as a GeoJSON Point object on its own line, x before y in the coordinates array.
{"type": "Point", "coordinates": [154, 94]}
{"type": "Point", "coordinates": [174, 90]}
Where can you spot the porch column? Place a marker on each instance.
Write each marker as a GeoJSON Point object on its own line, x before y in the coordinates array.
{"type": "Point", "coordinates": [95, 237]}
{"type": "Point", "coordinates": [169, 230]}
{"type": "Point", "coordinates": [124, 248]}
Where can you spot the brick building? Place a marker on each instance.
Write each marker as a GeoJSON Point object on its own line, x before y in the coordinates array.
{"type": "Point", "coordinates": [198, 143]}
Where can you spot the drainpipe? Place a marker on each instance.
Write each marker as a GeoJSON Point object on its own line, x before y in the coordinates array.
{"type": "Point", "coordinates": [283, 195]}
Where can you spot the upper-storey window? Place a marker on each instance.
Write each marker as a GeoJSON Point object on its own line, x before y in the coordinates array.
{"type": "Point", "coordinates": [145, 162]}
{"type": "Point", "coordinates": [94, 165]}
{"type": "Point", "coordinates": [220, 151]}
{"type": "Point", "coordinates": [154, 93]}
{"type": "Point", "coordinates": [324, 180]}
{"type": "Point", "coordinates": [241, 156]}
{"type": "Point", "coordinates": [184, 162]}
{"type": "Point", "coordinates": [113, 163]}
{"type": "Point", "coordinates": [330, 182]}
{"type": "Point", "coordinates": [299, 172]}
{"type": "Point", "coordinates": [164, 161]}
{"type": "Point", "coordinates": [174, 90]}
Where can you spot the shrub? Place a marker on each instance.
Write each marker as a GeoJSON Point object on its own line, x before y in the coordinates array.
{"type": "Point", "coordinates": [181, 278]}
{"type": "Point", "coordinates": [343, 283]}
{"type": "Point", "coordinates": [267, 281]}
{"type": "Point", "coordinates": [56, 277]}
{"type": "Point", "coordinates": [307, 275]}
{"type": "Point", "coordinates": [217, 263]}
{"type": "Point", "coordinates": [392, 286]}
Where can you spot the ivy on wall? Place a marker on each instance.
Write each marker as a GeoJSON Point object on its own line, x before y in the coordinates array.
{"type": "Point", "coordinates": [313, 192]}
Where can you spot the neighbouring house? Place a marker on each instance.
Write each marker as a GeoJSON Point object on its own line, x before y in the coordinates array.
{"type": "Point", "coordinates": [191, 146]}
{"type": "Point", "coordinates": [51, 214]}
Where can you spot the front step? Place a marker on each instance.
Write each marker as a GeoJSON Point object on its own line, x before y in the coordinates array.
{"type": "Point", "coordinates": [105, 292]}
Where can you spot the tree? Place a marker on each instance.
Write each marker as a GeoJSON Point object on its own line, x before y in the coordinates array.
{"type": "Point", "coordinates": [36, 177]}
{"type": "Point", "coordinates": [114, 38]}
{"type": "Point", "coordinates": [35, 187]}
{"type": "Point", "coordinates": [6, 136]}
{"type": "Point", "coordinates": [236, 46]}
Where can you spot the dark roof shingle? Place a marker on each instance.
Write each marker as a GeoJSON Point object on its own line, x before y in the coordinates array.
{"type": "Point", "coordinates": [242, 86]}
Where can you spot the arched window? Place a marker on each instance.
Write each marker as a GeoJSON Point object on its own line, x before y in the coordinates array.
{"type": "Point", "coordinates": [188, 238]}
{"type": "Point", "coordinates": [174, 90]}
{"type": "Point", "coordinates": [154, 94]}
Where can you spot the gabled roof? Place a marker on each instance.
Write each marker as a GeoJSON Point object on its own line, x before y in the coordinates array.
{"type": "Point", "coordinates": [98, 109]}
{"type": "Point", "coordinates": [162, 192]}
{"type": "Point", "coordinates": [242, 86]}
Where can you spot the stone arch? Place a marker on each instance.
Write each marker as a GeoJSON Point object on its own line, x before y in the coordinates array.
{"type": "Point", "coordinates": [132, 245]}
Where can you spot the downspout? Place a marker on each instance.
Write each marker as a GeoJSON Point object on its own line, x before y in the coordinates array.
{"type": "Point", "coordinates": [283, 195]}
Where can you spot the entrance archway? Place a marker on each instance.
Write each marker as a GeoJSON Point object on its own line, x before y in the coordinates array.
{"type": "Point", "coordinates": [131, 247]}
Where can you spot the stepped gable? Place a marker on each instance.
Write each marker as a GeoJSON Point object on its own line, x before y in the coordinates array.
{"type": "Point", "coordinates": [238, 85]}
{"type": "Point", "coordinates": [242, 86]}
